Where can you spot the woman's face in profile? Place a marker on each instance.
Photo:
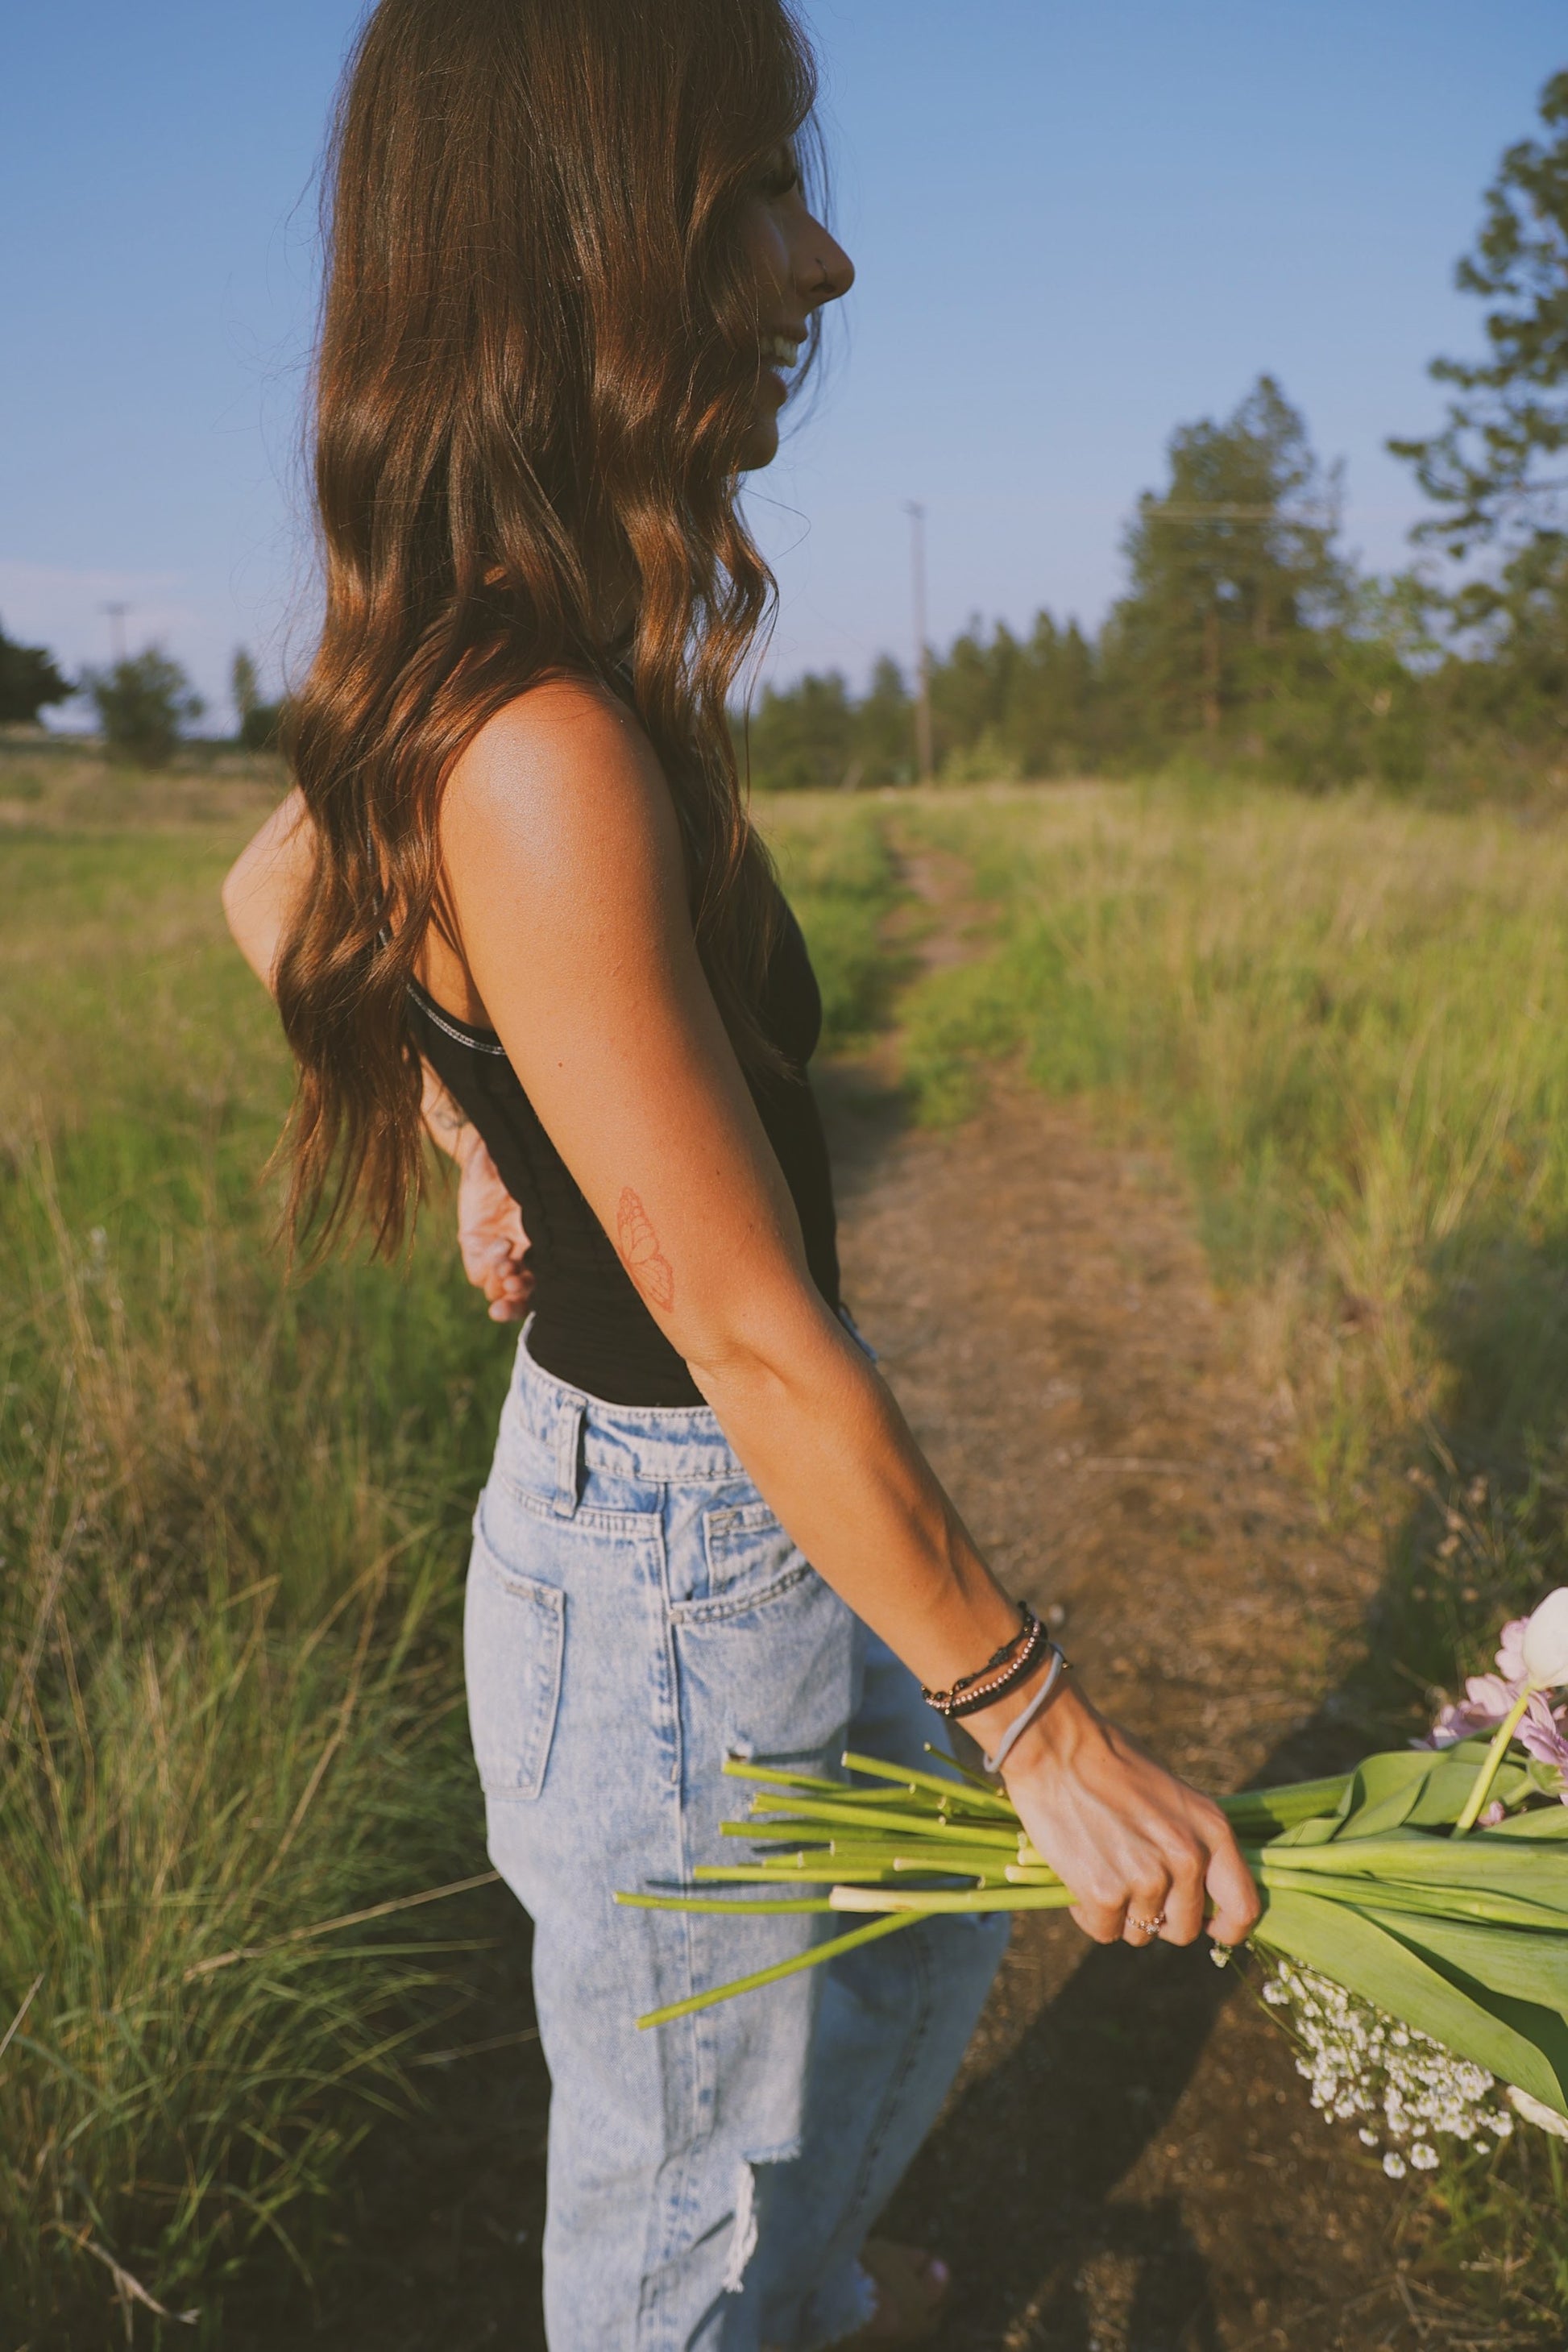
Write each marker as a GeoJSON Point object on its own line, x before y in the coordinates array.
{"type": "Point", "coordinates": [797, 266]}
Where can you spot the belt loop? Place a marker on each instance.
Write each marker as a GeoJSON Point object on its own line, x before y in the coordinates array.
{"type": "Point", "coordinates": [568, 1455]}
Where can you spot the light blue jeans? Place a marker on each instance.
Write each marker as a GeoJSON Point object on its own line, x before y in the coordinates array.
{"type": "Point", "coordinates": [635, 1615]}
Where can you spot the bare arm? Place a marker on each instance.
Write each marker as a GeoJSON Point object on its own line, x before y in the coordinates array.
{"type": "Point", "coordinates": [266, 883]}
{"type": "Point", "coordinates": [261, 894]}
{"type": "Point", "coordinates": [558, 827]}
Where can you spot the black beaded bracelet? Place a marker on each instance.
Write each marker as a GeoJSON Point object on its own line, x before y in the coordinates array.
{"type": "Point", "coordinates": [1002, 1672]}
{"type": "Point", "coordinates": [983, 1694]}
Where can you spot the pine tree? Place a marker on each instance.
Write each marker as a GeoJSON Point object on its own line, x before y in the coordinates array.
{"type": "Point", "coordinates": [1496, 470]}
{"type": "Point", "coordinates": [884, 740]}
{"type": "Point", "coordinates": [801, 737]}
{"type": "Point", "coordinates": [1233, 566]}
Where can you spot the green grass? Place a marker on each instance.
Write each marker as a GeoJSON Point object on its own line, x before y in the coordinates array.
{"type": "Point", "coordinates": [233, 1516]}
{"type": "Point", "coordinates": [842, 880]}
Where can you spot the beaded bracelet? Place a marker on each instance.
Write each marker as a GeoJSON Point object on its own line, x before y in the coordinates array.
{"type": "Point", "coordinates": [1002, 1671]}
{"type": "Point", "coordinates": [985, 1694]}
{"type": "Point", "coordinates": [942, 1699]}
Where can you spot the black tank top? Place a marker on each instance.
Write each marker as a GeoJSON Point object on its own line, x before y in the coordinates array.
{"type": "Point", "coordinates": [590, 1327]}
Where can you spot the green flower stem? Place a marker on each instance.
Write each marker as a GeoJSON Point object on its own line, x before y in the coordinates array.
{"type": "Point", "coordinates": [1001, 1898]}
{"type": "Point", "coordinates": [807, 1960]}
{"type": "Point", "coordinates": [955, 1861]}
{"type": "Point", "coordinates": [1491, 1763]}
{"type": "Point", "coordinates": [808, 1809]}
{"type": "Point", "coordinates": [794, 1833]}
{"type": "Point", "coordinates": [967, 1795]}
{"type": "Point", "coordinates": [976, 1781]}
{"type": "Point", "coordinates": [725, 1906]}
{"type": "Point", "coordinates": [771, 1776]}
{"type": "Point", "coordinates": [831, 1873]}
{"type": "Point", "coordinates": [1271, 1810]}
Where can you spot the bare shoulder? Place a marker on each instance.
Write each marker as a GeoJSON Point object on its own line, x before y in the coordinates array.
{"type": "Point", "coordinates": [564, 772]}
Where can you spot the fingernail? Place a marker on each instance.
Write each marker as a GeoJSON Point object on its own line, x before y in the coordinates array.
{"type": "Point", "coordinates": [938, 2271]}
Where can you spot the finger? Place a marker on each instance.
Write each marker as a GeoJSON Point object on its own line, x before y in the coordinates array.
{"type": "Point", "coordinates": [1184, 1904]}
{"type": "Point", "coordinates": [1148, 1909]}
{"type": "Point", "coordinates": [1237, 1903]}
{"type": "Point", "coordinates": [481, 1258]}
{"type": "Point", "coordinates": [1100, 1922]}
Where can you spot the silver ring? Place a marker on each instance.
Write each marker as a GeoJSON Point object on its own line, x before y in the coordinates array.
{"type": "Point", "coordinates": [1147, 1927]}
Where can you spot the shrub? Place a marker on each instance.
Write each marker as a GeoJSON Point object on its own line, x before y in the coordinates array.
{"type": "Point", "coordinates": [142, 704]}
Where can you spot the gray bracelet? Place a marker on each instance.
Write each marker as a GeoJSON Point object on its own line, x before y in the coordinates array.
{"type": "Point", "coordinates": [1060, 1667]}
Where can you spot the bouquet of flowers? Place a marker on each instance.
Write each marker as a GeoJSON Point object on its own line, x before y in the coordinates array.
{"type": "Point", "coordinates": [1416, 1910]}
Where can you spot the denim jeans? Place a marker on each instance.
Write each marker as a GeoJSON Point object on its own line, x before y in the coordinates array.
{"type": "Point", "coordinates": [635, 1615]}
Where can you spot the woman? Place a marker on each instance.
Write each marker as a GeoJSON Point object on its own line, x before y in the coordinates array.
{"type": "Point", "coordinates": [573, 268]}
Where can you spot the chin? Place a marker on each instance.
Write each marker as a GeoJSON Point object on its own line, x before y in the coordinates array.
{"type": "Point", "coordinates": [760, 445]}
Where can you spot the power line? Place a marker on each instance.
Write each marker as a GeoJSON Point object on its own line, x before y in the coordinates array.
{"type": "Point", "coordinates": [115, 613]}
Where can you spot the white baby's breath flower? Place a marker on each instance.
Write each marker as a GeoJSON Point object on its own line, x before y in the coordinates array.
{"type": "Point", "coordinates": [1362, 2062]}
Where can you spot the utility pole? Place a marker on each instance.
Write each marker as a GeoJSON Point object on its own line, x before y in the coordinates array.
{"type": "Point", "coordinates": [116, 630]}
{"type": "Point", "coordinates": [917, 515]}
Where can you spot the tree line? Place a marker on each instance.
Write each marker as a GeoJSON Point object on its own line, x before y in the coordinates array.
{"type": "Point", "coordinates": [143, 702]}
{"type": "Point", "coordinates": [1245, 633]}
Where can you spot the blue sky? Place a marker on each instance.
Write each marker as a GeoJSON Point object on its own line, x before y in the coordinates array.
{"type": "Point", "coordinates": [1078, 223]}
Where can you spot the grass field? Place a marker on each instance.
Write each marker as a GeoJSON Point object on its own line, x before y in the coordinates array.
{"type": "Point", "coordinates": [233, 1511]}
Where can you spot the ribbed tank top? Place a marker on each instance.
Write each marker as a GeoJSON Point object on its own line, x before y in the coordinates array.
{"type": "Point", "coordinates": [591, 1328]}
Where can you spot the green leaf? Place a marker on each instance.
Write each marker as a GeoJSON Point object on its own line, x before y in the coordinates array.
{"type": "Point", "coordinates": [1321, 1829]}
{"type": "Point", "coordinates": [1527, 1965]}
{"type": "Point", "coordinates": [1385, 1787]}
{"type": "Point", "coordinates": [1536, 1870]}
{"type": "Point", "coordinates": [1370, 1960]}
{"type": "Point", "coordinates": [1539, 1822]}
{"type": "Point", "coordinates": [1442, 1796]}
{"type": "Point", "coordinates": [1487, 1906]}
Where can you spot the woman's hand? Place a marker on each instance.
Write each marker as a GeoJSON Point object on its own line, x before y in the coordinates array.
{"type": "Point", "coordinates": [490, 1234]}
{"type": "Point", "coordinates": [1132, 1841]}
{"type": "Point", "coordinates": [489, 1223]}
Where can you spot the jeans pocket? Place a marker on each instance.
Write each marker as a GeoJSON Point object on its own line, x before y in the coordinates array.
{"type": "Point", "coordinates": [750, 1561]}
{"type": "Point", "coordinates": [514, 1634]}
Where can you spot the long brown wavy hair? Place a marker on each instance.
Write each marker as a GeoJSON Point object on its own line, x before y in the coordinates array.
{"type": "Point", "coordinates": [538, 363]}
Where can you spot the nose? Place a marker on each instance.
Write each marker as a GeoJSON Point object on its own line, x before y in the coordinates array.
{"type": "Point", "coordinates": [833, 272]}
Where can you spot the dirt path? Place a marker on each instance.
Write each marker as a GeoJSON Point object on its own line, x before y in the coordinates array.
{"type": "Point", "coordinates": [1129, 2161]}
